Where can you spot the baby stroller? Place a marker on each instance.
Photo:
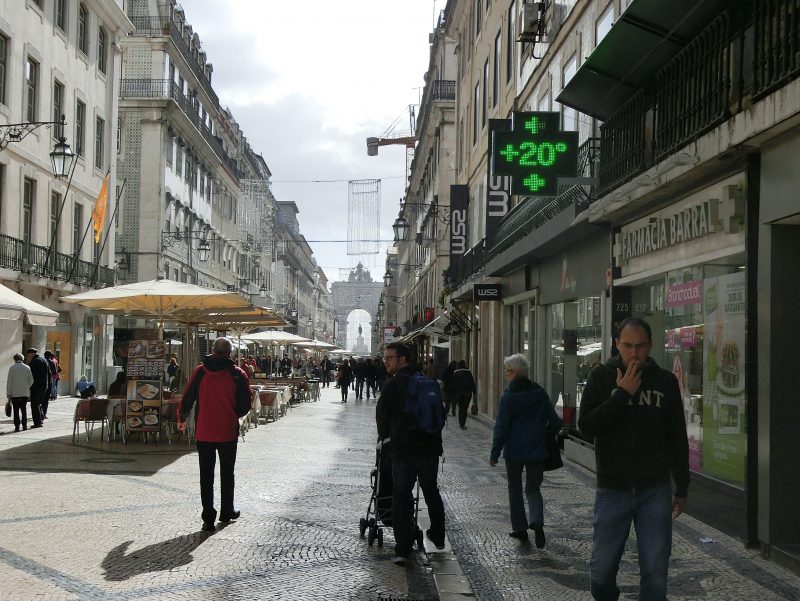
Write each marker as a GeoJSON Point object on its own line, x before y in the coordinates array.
{"type": "Point", "coordinates": [379, 510]}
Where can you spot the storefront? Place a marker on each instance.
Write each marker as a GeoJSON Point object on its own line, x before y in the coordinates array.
{"type": "Point", "coordinates": [683, 270]}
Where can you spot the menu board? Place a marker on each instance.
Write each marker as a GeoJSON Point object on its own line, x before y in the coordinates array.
{"type": "Point", "coordinates": [145, 374]}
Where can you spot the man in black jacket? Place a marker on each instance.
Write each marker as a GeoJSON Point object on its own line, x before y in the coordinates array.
{"type": "Point", "coordinates": [415, 455]}
{"type": "Point", "coordinates": [40, 369]}
{"type": "Point", "coordinates": [633, 411]}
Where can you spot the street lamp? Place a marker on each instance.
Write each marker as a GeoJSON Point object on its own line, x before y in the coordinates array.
{"type": "Point", "coordinates": [62, 158]}
{"type": "Point", "coordinates": [263, 291]}
{"type": "Point", "coordinates": [400, 227]}
{"type": "Point", "coordinates": [387, 278]}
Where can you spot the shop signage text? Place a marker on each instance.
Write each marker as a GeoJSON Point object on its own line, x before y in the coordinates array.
{"type": "Point", "coordinates": [459, 203]}
{"type": "Point", "coordinates": [690, 293]}
{"type": "Point", "coordinates": [665, 230]}
{"type": "Point", "coordinates": [487, 292]}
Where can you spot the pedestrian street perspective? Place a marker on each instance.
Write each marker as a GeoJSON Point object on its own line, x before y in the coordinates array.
{"type": "Point", "coordinates": [103, 520]}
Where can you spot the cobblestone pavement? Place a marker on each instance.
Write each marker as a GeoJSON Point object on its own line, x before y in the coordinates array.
{"type": "Point", "coordinates": [105, 521]}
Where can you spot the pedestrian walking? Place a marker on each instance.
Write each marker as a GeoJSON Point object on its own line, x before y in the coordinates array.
{"type": "Point", "coordinates": [221, 391]}
{"type": "Point", "coordinates": [344, 376]}
{"type": "Point", "coordinates": [18, 390]}
{"type": "Point", "coordinates": [462, 387]}
{"type": "Point", "coordinates": [632, 410]}
{"type": "Point", "coordinates": [430, 370]}
{"type": "Point", "coordinates": [327, 367]}
{"type": "Point", "coordinates": [41, 385]}
{"type": "Point", "coordinates": [55, 374]}
{"type": "Point", "coordinates": [172, 371]}
{"type": "Point", "coordinates": [415, 456]}
{"type": "Point", "coordinates": [519, 432]}
{"type": "Point", "coordinates": [450, 404]}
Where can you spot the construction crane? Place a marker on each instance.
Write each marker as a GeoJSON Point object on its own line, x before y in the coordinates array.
{"type": "Point", "coordinates": [394, 136]}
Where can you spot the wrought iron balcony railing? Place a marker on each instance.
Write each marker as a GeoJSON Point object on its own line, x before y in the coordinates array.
{"type": "Point", "coordinates": [166, 88]}
{"type": "Point", "coordinates": [17, 255]}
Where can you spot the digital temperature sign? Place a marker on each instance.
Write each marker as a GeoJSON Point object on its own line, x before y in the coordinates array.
{"type": "Point", "coordinates": [535, 153]}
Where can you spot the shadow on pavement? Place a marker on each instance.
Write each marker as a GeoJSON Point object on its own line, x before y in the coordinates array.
{"type": "Point", "coordinates": [166, 555]}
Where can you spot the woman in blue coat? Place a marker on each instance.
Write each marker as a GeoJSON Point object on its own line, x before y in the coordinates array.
{"type": "Point", "coordinates": [524, 410]}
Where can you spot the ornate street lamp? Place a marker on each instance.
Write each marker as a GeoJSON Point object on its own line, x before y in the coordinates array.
{"type": "Point", "coordinates": [263, 291]}
{"type": "Point", "coordinates": [203, 250]}
{"type": "Point", "coordinates": [400, 227]}
{"type": "Point", "coordinates": [387, 278]}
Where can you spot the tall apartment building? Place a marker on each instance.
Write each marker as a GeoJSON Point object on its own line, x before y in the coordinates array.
{"type": "Point", "coordinates": [58, 57]}
{"type": "Point", "coordinates": [683, 212]}
{"type": "Point", "coordinates": [196, 203]}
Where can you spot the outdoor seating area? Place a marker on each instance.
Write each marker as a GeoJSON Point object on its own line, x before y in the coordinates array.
{"type": "Point", "coordinates": [271, 400]}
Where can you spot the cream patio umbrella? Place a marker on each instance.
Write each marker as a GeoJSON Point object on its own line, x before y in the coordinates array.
{"type": "Point", "coordinates": [276, 337]}
{"type": "Point", "coordinates": [14, 306]}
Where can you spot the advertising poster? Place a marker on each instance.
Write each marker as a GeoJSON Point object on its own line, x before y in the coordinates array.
{"type": "Point", "coordinates": [724, 428]}
{"type": "Point", "coordinates": [145, 375]}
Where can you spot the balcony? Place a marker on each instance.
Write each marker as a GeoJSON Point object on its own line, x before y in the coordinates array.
{"type": "Point", "coordinates": [461, 269]}
{"type": "Point", "coordinates": [168, 89]}
{"type": "Point", "coordinates": [164, 27]}
{"type": "Point", "coordinates": [19, 256]}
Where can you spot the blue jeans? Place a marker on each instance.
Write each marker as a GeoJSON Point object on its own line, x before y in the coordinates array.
{"type": "Point", "coordinates": [405, 471]}
{"type": "Point", "coordinates": [650, 510]}
{"type": "Point", "coordinates": [516, 504]}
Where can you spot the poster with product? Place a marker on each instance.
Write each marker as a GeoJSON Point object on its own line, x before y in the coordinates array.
{"type": "Point", "coordinates": [724, 427]}
{"type": "Point", "coordinates": [145, 374]}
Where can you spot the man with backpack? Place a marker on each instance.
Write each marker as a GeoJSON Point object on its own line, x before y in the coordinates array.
{"type": "Point", "coordinates": [221, 391]}
{"type": "Point", "coordinates": [411, 413]}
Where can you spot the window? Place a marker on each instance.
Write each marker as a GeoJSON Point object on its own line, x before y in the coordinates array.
{"type": "Point", "coordinates": [569, 114]}
{"type": "Point", "coordinates": [80, 127]}
{"type": "Point", "coordinates": [83, 21]}
{"type": "Point", "coordinates": [478, 17]}
{"type": "Point", "coordinates": [102, 51]}
{"type": "Point", "coordinates": [475, 105]}
{"type": "Point", "coordinates": [187, 171]}
{"type": "Point", "coordinates": [77, 227]}
{"type": "Point", "coordinates": [31, 89]}
{"type": "Point", "coordinates": [58, 108]}
{"type": "Point", "coordinates": [178, 159]}
{"type": "Point", "coordinates": [99, 134]}
{"type": "Point", "coordinates": [28, 206]}
{"type": "Point", "coordinates": [61, 14]}
{"type": "Point", "coordinates": [3, 63]}
{"type": "Point", "coordinates": [119, 134]}
{"type": "Point", "coordinates": [55, 205]}
{"type": "Point", "coordinates": [544, 103]}
{"type": "Point", "coordinates": [168, 149]}
{"type": "Point", "coordinates": [603, 24]}
{"type": "Point", "coordinates": [498, 52]}
{"type": "Point", "coordinates": [485, 92]}
{"type": "Point", "coordinates": [510, 43]}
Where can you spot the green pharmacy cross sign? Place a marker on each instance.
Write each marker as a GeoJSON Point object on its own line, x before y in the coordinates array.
{"type": "Point", "coordinates": [535, 153]}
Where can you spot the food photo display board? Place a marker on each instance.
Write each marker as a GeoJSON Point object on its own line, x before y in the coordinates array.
{"type": "Point", "coordinates": [145, 374]}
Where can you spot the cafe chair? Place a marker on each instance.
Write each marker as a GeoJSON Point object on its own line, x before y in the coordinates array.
{"type": "Point", "coordinates": [90, 411]}
{"type": "Point", "coordinates": [169, 419]}
{"type": "Point", "coordinates": [118, 417]}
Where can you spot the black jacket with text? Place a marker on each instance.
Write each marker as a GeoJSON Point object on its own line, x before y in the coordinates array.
{"type": "Point", "coordinates": [639, 440]}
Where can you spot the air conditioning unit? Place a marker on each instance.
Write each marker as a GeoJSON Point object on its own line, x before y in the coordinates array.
{"type": "Point", "coordinates": [532, 25]}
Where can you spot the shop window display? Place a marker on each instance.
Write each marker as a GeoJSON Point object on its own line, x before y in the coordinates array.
{"type": "Point", "coordinates": [698, 318]}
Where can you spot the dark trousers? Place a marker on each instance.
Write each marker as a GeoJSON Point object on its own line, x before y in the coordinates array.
{"type": "Point", "coordinates": [19, 405]}
{"type": "Point", "coordinates": [405, 472]}
{"type": "Point", "coordinates": [326, 377]}
{"type": "Point", "coordinates": [359, 388]}
{"type": "Point", "coordinates": [37, 395]}
{"type": "Point", "coordinates": [207, 455]}
{"type": "Point", "coordinates": [345, 387]}
{"type": "Point", "coordinates": [463, 404]}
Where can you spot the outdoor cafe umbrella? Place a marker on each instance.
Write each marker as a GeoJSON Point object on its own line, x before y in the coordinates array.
{"type": "Point", "coordinates": [13, 306]}
{"type": "Point", "coordinates": [276, 337]}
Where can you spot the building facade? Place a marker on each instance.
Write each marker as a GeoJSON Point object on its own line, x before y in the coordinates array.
{"type": "Point", "coordinates": [59, 59]}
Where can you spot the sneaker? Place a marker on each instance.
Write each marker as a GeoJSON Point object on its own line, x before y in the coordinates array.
{"type": "Point", "coordinates": [438, 543]}
{"type": "Point", "coordinates": [539, 537]}
{"type": "Point", "coordinates": [521, 535]}
{"type": "Point", "coordinates": [227, 518]}
{"type": "Point", "coordinates": [209, 527]}
{"type": "Point", "coordinates": [399, 560]}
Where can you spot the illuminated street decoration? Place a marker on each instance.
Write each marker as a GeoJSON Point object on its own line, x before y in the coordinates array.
{"type": "Point", "coordinates": [535, 153]}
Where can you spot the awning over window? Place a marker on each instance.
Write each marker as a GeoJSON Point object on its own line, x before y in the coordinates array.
{"type": "Point", "coordinates": [644, 38]}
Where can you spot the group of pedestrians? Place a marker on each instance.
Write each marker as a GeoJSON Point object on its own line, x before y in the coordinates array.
{"type": "Point", "coordinates": [32, 379]}
{"type": "Point", "coordinates": [631, 410]}
{"type": "Point", "coordinates": [364, 375]}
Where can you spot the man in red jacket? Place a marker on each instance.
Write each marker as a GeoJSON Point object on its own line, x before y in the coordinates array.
{"type": "Point", "coordinates": [221, 391]}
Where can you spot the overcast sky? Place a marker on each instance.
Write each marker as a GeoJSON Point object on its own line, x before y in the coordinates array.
{"type": "Point", "coordinates": [308, 82]}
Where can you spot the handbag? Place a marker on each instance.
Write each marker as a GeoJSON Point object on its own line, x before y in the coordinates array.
{"type": "Point", "coordinates": [474, 408]}
{"type": "Point", "coordinates": [8, 408]}
{"type": "Point", "coordinates": [554, 460]}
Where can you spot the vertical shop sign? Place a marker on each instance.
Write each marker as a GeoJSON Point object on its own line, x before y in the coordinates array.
{"type": "Point", "coordinates": [145, 375]}
{"type": "Point", "coordinates": [498, 189]}
{"type": "Point", "coordinates": [459, 205]}
{"type": "Point", "coordinates": [724, 433]}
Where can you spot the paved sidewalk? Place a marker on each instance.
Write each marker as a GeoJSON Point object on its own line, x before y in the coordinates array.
{"type": "Point", "coordinates": [499, 567]}
{"type": "Point", "coordinates": [106, 521]}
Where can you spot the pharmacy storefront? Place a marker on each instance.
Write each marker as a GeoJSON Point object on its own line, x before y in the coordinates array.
{"type": "Point", "coordinates": [682, 269]}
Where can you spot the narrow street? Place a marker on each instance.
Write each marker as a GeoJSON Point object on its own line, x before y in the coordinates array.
{"type": "Point", "coordinates": [105, 521]}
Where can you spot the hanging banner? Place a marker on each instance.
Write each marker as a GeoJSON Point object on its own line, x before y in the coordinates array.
{"type": "Point", "coordinates": [498, 189]}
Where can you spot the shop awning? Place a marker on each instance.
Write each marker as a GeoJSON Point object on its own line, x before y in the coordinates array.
{"type": "Point", "coordinates": [644, 38]}
{"type": "Point", "coordinates": [14, 306]}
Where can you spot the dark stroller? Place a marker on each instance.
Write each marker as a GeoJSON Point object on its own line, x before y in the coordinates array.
{"type": "Point", "coordinates": [379, 510]}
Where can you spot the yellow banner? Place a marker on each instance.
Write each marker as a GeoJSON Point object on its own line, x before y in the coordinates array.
{"type": "Point", "coordinates": [99, 212]}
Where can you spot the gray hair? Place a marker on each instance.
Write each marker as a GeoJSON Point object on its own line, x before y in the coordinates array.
{"type": "Point", "coordinates": [223, 346]}
{"type": "Point", "coordinates": [518, 362]}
